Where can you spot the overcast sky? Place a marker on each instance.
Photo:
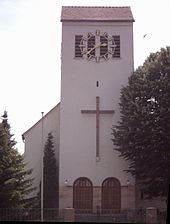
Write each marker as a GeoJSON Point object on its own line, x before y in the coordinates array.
{"type": "Point", "coordinates": [30, 40]}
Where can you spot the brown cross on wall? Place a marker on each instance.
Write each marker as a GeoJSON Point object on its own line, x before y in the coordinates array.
{"type": "Point", "coordinates": [97, 112]}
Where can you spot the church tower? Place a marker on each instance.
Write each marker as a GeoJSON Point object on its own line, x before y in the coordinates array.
{"type": "Point", "coordinates": [96, 61]}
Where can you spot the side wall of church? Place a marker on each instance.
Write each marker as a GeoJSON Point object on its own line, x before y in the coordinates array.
{"type": "Point", "coordinates": [33, 142]}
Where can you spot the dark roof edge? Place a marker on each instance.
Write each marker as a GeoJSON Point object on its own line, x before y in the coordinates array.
{"type": "Point", "coordinates": [95, 20]}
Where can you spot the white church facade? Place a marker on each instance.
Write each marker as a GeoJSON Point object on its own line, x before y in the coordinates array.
{"type": "Point", "coordinates": [92, 75]}
{"type": "Point", "coordinates": [96, 61]}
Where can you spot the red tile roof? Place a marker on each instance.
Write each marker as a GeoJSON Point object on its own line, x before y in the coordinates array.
{"type": "Point", "coordinates": [79, 13]}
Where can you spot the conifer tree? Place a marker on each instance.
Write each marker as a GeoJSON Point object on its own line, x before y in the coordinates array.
{"type": "Point", "coordinates": [15, 184]}
{"type": "Point", "coordinates": [142, 136]}
{"type": "Point", "coordinates": [50, 176]}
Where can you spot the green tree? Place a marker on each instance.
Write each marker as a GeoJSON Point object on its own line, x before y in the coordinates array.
{"type": "Point", "coordinates": [50, 176]}
{"type": "Point", "coordinates": [142, 136]}
{"type": "Point", "coordinates": [15, 184]}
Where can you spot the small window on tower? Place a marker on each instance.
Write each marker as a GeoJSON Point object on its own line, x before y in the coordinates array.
{"type": "Point", "coordinates": [77, 47]}
{"type": "Point", "coordinates": [90, 45]}
{"type": "Point", "coordinates": [117, 48]}
{"type": "Point", "coordinates": [104, 46]}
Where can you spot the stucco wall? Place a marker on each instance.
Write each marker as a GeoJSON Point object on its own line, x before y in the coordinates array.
{"type": "Point", "coordinates": [78, 92]}
{"type": "Point", "coordinates": [33, 142]}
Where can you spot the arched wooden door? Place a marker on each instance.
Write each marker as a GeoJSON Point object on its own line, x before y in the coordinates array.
{"type": "Point", "coordinates": [82, 195]}
{"type": "Point", "coordinates": [111, 195]}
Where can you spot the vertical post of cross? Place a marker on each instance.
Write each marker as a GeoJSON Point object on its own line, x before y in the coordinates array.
{"type": "Point", "coordinates": [97, 112]}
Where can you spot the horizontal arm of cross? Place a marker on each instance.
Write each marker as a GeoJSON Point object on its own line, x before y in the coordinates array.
{"type": "Point", "coordinates": [106, 111]}
{"type": "Point", "coordinates": [88, 111]}
{"type": "Point", "coordinates": [95, 111]}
